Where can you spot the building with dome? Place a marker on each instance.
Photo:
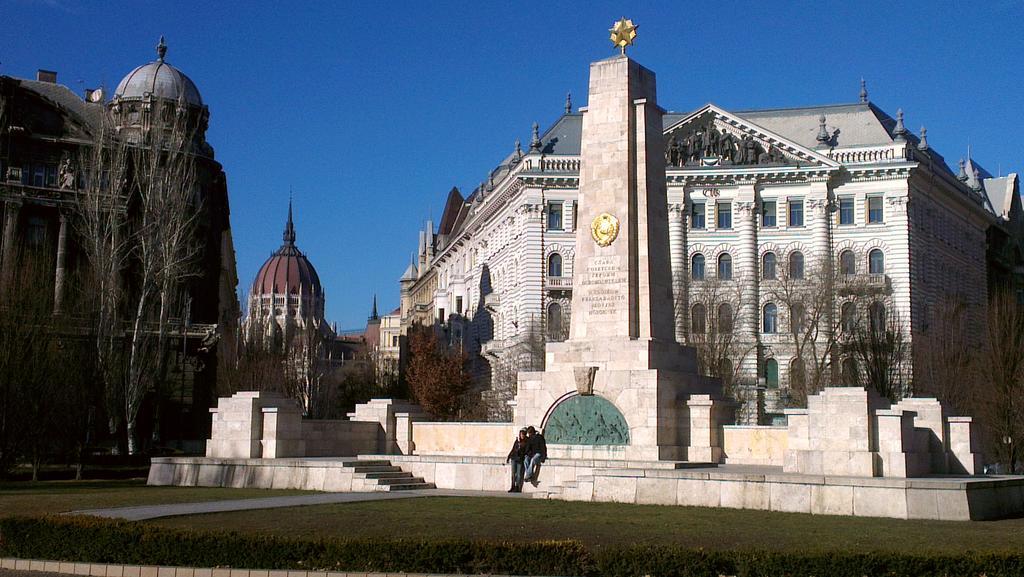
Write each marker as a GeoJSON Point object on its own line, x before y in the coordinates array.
{"type": "Point", "coordinates": [771, 212]}
{"type": "Point", "coordinates": [47, 133]}
{"type": "Point", "coordinates": [286, 296]}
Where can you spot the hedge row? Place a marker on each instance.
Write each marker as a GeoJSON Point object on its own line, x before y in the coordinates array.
{"type": "Point", "coordinates": [102, 541]}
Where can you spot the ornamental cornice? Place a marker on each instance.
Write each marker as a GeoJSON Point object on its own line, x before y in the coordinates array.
{"type": "Point", "coordinates": [549, 180]}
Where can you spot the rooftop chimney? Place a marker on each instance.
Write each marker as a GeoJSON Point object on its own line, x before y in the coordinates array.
{"type": "Point", "coordinates": [46, 76]}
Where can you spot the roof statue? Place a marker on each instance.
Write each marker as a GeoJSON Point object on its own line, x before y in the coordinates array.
{"type": "Point", "coordinates": [900, 132]}
{"type": "Point", "coordinates": [863, 90]}
{"type": "Point", "coordinates": [623, 34]}
{"type": "Point", "coordinates": [161, 49]}
{"type": "Point", "coordinates": [535, 141]}
{"type": "Point", "coordinates": [923, 145]}
{"type": "Point", "coordinates": [568, 102]}
{"type": "Point", "coordinates": [823, 137]}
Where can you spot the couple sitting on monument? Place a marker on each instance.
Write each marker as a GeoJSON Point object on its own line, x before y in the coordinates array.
{"type": "Point", "coordinates": [528, 452]}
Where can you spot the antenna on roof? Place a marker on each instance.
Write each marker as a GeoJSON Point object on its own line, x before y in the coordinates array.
{"type": "Point", "coordinates": [863, 90]}
{"type": "Point", "coordinates": [568, 102]}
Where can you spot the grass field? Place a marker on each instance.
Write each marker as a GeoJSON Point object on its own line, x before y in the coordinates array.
{"type": "Point", "coordinates": [26, 498]}
{"type": "Point", "coordinates": [598, 524]}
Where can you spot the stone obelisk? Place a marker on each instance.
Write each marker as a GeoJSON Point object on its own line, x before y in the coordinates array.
{"type": "Point", "coordinates": [622, 348]}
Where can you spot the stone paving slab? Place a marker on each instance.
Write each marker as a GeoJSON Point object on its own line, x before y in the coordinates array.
{"type": "Point", "coordinates": [144, 512]}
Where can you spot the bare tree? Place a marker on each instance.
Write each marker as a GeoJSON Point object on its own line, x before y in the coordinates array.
{"type": "Point", "coordinates": [713, 321]}
{"type": "Point", "coordinates": [881, 351]}
{"type": "Point", "coordinates": [1002, 368]}
{"type": "Point", "coordinates": [945, 359]}
{"type": "Point", "coordinates": [306, 369]}
{"type": "Point", "coordinates": [138, 219]}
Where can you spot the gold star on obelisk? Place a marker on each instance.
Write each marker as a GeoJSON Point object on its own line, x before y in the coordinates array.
{"type": "Point", "coordinates": [623, 33]}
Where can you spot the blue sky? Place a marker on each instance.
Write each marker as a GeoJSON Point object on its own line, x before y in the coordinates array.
{"type": "Point", "coordinates": [371, 112]}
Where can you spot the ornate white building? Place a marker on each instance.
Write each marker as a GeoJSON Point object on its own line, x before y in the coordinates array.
{"type": "Point", "coordinates": [840, 199]}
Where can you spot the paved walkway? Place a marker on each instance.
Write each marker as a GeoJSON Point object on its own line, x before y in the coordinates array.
{"type": "Point", "coordinates": [144, 512]}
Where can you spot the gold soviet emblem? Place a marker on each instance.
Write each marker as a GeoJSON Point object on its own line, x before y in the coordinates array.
{"type": "Point", "coordinates": [623, 33]}
{"type": "Point", "coordinates": [604, 229]}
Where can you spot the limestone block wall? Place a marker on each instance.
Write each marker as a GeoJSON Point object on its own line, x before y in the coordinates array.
{"type": "Point", "coordinates": [854, 432]}
{"type": "Point", "coordinates": [338, 438]}
{"type": "Point", "coordinates": [469, 439]}
{"type": "Point", "coordinates": [754, 445]}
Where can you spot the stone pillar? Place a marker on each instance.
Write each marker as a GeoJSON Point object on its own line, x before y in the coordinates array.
{"type": "Point", "coordinates": [60, 273]}
{"type": "Point", "coordinates": [707, 415]}
{"type": "Point", "coordinates": [7, 267]}
{"type": "Point", "coordinates": [964, 448]}
{"type": "Point", "coordinates": [282, 431]}
{"type": "Point", "coordinates": [747, 273]}
{"type": "Point", "coordinates": [817, 207]}
{"type": "Point", "coordinates": [680, 276]}
{"type": "Point", "coordinates": [895, 431]}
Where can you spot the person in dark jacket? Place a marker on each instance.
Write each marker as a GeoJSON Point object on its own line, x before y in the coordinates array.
{"type": "Point", "coordinates": [536, 453]}
{"type": "Point", "coordinates": [517, 456]}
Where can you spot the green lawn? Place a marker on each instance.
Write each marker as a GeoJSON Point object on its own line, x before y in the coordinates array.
{"type": "Point", "coordinates": [598, 524]}
{"type": "Point", "coordinates": [26, 498]}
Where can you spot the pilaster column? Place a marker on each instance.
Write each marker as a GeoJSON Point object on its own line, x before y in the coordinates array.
{"type": "Point", "coordinates": [677, 255]}
{"type": "Point", "coordinates": [7, 267]}
{"type": "Point", "coordinates": [823, 259]}
{"type": "Point", "coordinates": [60, 273]}
{"type": "Point", "coordinates": [746, 273]}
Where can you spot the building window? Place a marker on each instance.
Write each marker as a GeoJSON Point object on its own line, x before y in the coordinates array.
{"type": "Point", "coordinates": [768, 266]}
{"type": "Point", "coordinates": [796, 265]}
{"type": "Point", "coordinates": [797, 374]}
{"type": "Point", "coordinates": [771, 373]}
{"type": "Point", "coordinates": [698, 319]}
{"type": "Point", "coordinates": [725, 267]}
{"type": "Point", "coordinates": [796, 213]}
{"type": "Point", "coordinates": [876, 312]}
{"type": "Point", "coordinates": [394, 340]}
{"type": "Point", "coordinates": [768, 213]}
{"type": "Point", "coordinates": [35, 233]}
{"type": "Point", "coordinates": [849, 371]}
{"type": "Point", "coordinates": [724, 210]}
{"type": "Point", "coordinates": [555, 265]}
{"type": "Point", "coordinates": [848, 316]}
{"type": "Point", "coordinates": [846, 210]}
{"type": "Point", "coordinates": [38, 174]}
{"type": "Point", "coordinates": [555, 332]}
{"type": "Point", "coordinates": [876, 262]}
{"type": "Point", "coordinates": [797, 318]}
{"type": "Point", "coordinates": [725, 318]}
{"type": "Point", "coordinates": [554, 216]}
{"type": "Point", "coordinates": [770, 319]}
{"type": "Point", "coordinates": [458, 305]}
{"type": "Point", "coordinates": [847, 263]}
{"type": "Point", "coordinates": [875, 212]}
{"type": "Point", "coordinates": [697, 267]}
{"type": "Point", "coordinates": [697, 213]}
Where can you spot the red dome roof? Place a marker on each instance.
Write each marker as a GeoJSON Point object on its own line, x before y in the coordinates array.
{"type": "Point", "coordinates": [287, 270]}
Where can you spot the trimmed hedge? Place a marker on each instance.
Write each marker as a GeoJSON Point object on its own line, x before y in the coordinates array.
{"type": "Point", "coordinates": [93, 540]}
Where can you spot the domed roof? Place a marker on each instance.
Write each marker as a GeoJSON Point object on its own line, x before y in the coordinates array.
{"type": "Point", "coordinates": [159, 79]}
{"type": "Point", "coordinates": [287, 271]}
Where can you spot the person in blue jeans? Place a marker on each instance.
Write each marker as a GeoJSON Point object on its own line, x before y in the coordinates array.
{"type": "Point", "coordinates": [517, 456]}
{"type": "Point", "coordinates": [536, 453]}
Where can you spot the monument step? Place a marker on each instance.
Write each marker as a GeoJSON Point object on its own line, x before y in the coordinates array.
{"type": "Point", "coordinates": [396, 474]}
{"type": "Point", "coordinates": [407, 478]}
{"type": "Point", "coordinates": [407, 486]}
{"type": "Point", "coordinates": [376, 469]}
{"type": "Point", "coordinates": [366, 463]}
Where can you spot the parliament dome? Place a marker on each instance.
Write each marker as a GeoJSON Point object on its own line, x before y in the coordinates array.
{"type": "Point", "coordinates": [287, 271]}
{"type": "Point", "coordinates": [158, 79]}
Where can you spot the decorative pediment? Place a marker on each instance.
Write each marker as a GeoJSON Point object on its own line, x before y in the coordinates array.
{"type": "Point", "coordinates": [712, 137]}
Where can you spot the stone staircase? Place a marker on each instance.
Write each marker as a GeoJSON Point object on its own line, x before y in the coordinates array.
{"type": "Point", "coordinates": [381, 475]}
{"type": "Point", "coordinates": [582, 489]}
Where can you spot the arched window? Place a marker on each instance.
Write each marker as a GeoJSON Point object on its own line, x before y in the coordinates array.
{"type": "Point", "coordinates": [771, 373]}
{"type": "Point", "coordinates": [724, 267]}
{"type": "Point", "coordinates": [725, 318]}
{"type": "Point", "coordinates": [770, 319]}
{"type": "Point", "coordinates": [796, 265]}
{"type": "Point", "coordinates": [847, 263]}
{"type": "Point", "coordinates": [768, 266]}
{"type": "Point", "coordinates": [725, 370]}
{"type": "Point", "coordinates": [849, 371]}
{"type": "Point", "coordinates": [555, 332]}
{"type": "Point", "coordinates": [697, 267]}
{"type": "Point", "coordinates": [555, 265]}
{"type": "Point", "coordinates": [876, 262]}
{"type": "Point", "coordinates": [848, 316]}
{"type": "Point", "coordinates": [876, 312]}
{"type": "Point", "coordinates": [797, 374]}
{"type": "Point", "coordinates": [698, 319]}
{"type": "Point", "coordinates": [797, 318]}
